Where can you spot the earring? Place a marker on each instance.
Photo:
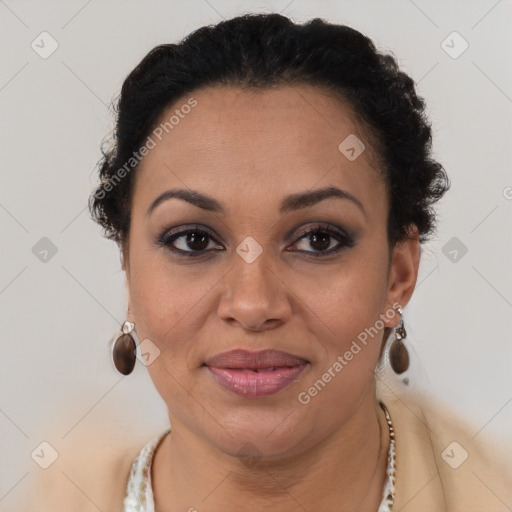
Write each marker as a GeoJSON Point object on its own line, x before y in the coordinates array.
{"type": "Point", "coordinates": [398, 354]}
{"type": "Point", "coordinates": [124, 350]}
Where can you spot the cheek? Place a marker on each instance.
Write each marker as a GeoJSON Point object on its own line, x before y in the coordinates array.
{"type": "Point", "coordinates": [167, 307]}
{"type": "Point", "coordinates": [170, 303]}
{"type": "Point", "coordinates": [343, 311]}
{"type": "Point", "coordinates": [348, 339]}
{"type": "Point", "coordinates": [346, 299]}
{"type": "Point", "coordinates": [170, 309]}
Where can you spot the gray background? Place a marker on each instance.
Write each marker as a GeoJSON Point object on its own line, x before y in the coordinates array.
{"type": "Point", "coordinates": [59, 314]}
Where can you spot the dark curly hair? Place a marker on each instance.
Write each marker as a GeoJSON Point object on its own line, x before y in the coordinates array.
{"type": "Point", "coordinates": [266, 50]}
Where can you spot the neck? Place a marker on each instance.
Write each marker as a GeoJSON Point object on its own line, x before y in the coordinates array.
{"type": "Point", "coordinates": [344, 472]}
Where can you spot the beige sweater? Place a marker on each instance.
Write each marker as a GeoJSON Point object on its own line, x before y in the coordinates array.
{"type": "Point", "coordinates": [431, 474]}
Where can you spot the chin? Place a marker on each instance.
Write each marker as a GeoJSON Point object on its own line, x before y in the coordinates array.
{"type": "Point", "coordinates": [268, 435]}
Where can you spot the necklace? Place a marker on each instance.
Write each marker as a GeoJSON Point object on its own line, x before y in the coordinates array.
{"type": "Point", "coordinates": [139, 495]}
{"type": "Point", "coordinates": [389, 487]}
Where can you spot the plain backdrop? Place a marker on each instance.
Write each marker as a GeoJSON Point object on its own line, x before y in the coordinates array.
{"type": "Point", "coordinates": [59, 309]}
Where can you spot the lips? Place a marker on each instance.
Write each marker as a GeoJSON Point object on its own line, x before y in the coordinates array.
{"type": "Point", "coordinates": [256, 374]}
{"type": "Point", "coordinates": [263, 360]}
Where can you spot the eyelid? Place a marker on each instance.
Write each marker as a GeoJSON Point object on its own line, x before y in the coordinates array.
{"type": "Point", "coordinates": [343, 238]}
{"type": "Point", "coordinates": [324, 226]}
{"type": "Point", "coordinates": [184, 230]}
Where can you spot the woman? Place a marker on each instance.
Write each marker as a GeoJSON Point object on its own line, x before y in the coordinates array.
{"type": "Point", "coordinates": [269, 187]}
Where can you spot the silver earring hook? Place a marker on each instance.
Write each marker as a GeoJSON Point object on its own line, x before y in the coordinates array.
{"type": "Point", "coordinates": [127, 327]}
{"type": "Point", "coordinates": [400, 328]}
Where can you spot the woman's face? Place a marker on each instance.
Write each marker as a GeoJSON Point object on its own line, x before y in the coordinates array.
{"type": "Point", "coordinates": [259, 281]}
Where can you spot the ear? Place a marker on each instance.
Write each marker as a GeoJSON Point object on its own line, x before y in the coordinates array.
{"type": "Point", "coordinates": [403, 273]}
{"type": "Point", "coordinates": [123, 255]}
{"type": "Point", "coordinates": [129, 312]}
{"type": "Point", "coordinates": [125, 265]}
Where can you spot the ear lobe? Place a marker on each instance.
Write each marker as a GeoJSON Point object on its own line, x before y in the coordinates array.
{"type": "Point", "coordinates": [123, 255]}
{"type": "Point", "coordinates": [122, 260]}
{"type": "Point", "coordinates": [129, 315]}
{"type": "Point", "coordinates": [404, 268]}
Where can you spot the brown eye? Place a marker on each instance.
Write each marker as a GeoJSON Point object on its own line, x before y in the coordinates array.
{"type": "Point", "coordinates": [324, 240]}
{"type": "Point", "coordinates": [320, 240]}
{"type": "Point", "coordinates": [188, 241]}
{"type": "Point", "coordinates": [197, 240]}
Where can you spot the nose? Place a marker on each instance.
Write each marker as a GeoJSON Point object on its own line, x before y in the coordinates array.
{"type": "Point", "coordinates": [255, 297]}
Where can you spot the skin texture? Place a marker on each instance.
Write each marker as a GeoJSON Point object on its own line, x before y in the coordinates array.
{"type": "Point", "coordinates": [249, 150]}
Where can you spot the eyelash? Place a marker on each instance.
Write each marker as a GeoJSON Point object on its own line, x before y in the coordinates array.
{"type": "Point", "coordinates": [344, 240]}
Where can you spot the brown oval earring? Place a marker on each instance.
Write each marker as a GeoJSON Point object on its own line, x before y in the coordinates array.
{"type": "Point", "coordinates": [398, 354]}
{"type": "Point", "coordinates": [124, 350]}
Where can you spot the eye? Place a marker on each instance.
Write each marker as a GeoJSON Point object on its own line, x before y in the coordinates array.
{"type": "Point", "coordinates": [196, 241]}
{"type": "Point", "coordinates": [188, 242]}
{"type": "Point", "coordinates": [324, 239]}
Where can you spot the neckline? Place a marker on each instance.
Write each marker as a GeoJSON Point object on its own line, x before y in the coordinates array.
{"type": "Point", "coordinates": [139, 491]}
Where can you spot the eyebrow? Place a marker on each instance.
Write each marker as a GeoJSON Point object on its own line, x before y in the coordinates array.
{"type": "Point", "coordinates": [291, 203]}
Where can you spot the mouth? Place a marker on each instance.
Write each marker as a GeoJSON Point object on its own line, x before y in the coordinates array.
{"type": "Point", "coordinates": [256, 374]}
{"type": "Point", "coordinates": [257, 361]}
{"type": "Point", "coordinates": [260, 370]}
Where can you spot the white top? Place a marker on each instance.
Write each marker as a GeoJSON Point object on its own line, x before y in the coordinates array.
{"type": "Point", "coordinates": [139, 492]}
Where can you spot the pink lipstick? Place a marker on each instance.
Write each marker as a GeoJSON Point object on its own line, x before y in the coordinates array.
{"type": "Point", "coordinates": [256, 374]}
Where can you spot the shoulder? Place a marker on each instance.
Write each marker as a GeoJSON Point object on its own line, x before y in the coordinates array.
{"type": "Point", "coordinates": [90, 474]}
{"type": "Point", "coordinates": [444, 462]}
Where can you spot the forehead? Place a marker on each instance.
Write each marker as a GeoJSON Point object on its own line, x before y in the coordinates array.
{"type": "Point", "coordinates": [271, 141]}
